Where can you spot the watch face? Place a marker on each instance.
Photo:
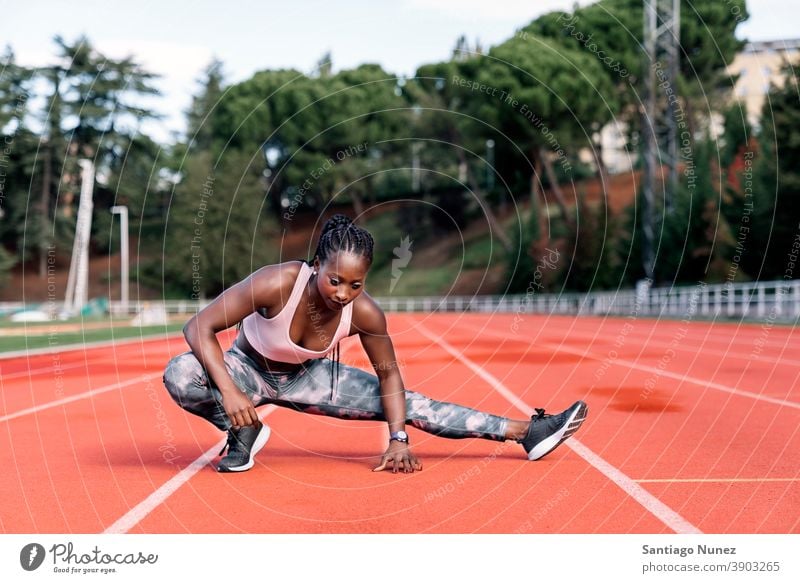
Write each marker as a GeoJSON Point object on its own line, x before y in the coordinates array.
{"type": "Point", "coordinates": [402, 435]}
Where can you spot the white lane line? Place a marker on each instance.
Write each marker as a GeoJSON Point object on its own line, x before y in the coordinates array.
{"type": "Point", "coordinates": [136, 514]}
{"type": "Point", "coordinates": [758, 358]}
{"type": "Point", "coordinates": [37, 371]}
{"type": "Point", "coordinates": [650, 503]}
{"type": "Point", "coordinates": [95, 344]}
{"type": "Point", "coordinates": [79, 396]}
{"type": "Point", "coordinates": [652, 369]}
{"type": "Point", "coordinates": [715, 336]}
{"type": "Point", "coordinates": [719, 480]}
{"type": "Point", "coordinates": [679, 377]}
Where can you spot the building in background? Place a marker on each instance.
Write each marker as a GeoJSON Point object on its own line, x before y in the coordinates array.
{"type": "Point", "coordinates": [617, 157]}
{"type": "Point", "coordinates": [759, 65]}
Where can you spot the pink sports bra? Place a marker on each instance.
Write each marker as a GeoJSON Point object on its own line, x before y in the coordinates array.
{"type": "Point", "coordinates": [270, 336]}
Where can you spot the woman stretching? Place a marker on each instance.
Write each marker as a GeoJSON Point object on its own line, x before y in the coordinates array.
{"type": "Point", "coordinates": [293, 314]}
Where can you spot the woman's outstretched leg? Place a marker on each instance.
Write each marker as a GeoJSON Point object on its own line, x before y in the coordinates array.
{"type": "Point", "coordinates": [357, 396]}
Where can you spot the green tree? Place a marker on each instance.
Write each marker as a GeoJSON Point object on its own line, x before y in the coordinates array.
{"type": "Point", "coordinates": [274, 111]}
{"type": "Point", "coordinates": [99, 113]}
{"type": "Point", "coordinates": [695, 225]}
{"type": "Point", "coordinates": [611, 32]}
{"type": "Point", "coordinates": [455, 134]}
{"type": "Point", "coordinates": [216, 232]}
{"type": "Point", "coordinates": [46, 224]}
{"type": "Point", "coordinates": [325, 65]}
{"type": "Point", "coordinates": [564, 98]}
{"type": "Point", "coordinates": [137, 182]}
{"type": "Point", "coordinates": [537, 100]}
{"type": "Point", "coordinates": [692, 239]}
{"type": "Point", "coordinates": [776, 184]}
{"type": "Point", "coordinates": [91, 110]}
{"type": "Point", "coordinates": [736, 135]}
{"type": "Point", "coordinates": [360, 108]}
{"type": "Point", "coordinates": [591, 267]}
{"type": "Point", "coordinates": [428, 160]}
{"type": "Point", "coordinates": [200, 117]}
{"type": "Point", "coordinates": [523, 256]}
{"type": "Point", "coordinates": [327, 129]}
{"type": "Point", "coordinates": [14, 92]}
{"type": "Point", "coordinates": [100, 98]}
{"type": "Point", "coordinates": [708, 46]}
{"type": "Point", "coordinates": [20, 231]}
{"type": "Point", "coordinates": [18, 144]}
{"type": "Point", "coordinates": [736, 153]}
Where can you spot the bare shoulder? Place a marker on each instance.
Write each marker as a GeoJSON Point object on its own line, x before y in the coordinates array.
{"type": "Point", "coordinates": [368, 316]}
{"type": "Point", "coordinates": [274, 283]}
{"type": "Point", "coordinates": [264, 288]}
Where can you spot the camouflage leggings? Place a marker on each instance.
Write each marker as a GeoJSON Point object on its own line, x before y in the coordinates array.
{"type": "Point", "coordinates": [356, 396]}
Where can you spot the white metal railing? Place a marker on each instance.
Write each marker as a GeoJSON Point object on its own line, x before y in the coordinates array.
{"type": "Point", "coordinates": [775, 300]}
{"type": "Point", "coordinates": [772, 300]}
{"type": "Point", "coordinates": [179, 307]}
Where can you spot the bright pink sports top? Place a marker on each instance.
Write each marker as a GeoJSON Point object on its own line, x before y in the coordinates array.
{"type": "Point", "coordinates": [270, 336]}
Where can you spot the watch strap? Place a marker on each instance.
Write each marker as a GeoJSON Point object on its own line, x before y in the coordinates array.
{"type": "Point", "coordinates": [400, 436]}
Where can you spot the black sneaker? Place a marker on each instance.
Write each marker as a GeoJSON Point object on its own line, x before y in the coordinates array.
{"type": "Point", "coordinates": [243, 444]}
{"type": "Point", "coordinates": [547, 432]}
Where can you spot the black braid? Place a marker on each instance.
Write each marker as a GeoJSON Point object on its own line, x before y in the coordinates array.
{"type": "Point", "coordinates": [340, 234]}
{"type": "Point", "coordinates": [335, 369]}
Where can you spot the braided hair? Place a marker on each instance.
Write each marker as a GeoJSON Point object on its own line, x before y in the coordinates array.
{"type": "Point", "coordinates": [341, 235]}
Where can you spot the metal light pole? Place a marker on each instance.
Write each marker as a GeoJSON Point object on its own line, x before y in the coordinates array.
{"type": "Point", "coordinates": [415, 178]}
{"type": "Point", "coordinates": [77, 293]}
{"type": "Point", "coordinates": [122, 211]}
{"type": "Point", "coordinates": [660, 116]}
{"type": "Point", "coordinates": [489, 165]}
{"type": "Point", "coordinates": [415, 148]}
{"type": "Point", "coordinates": [274, 152]}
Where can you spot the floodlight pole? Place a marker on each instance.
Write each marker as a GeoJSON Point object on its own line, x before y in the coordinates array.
{"type": "Point", "coordinates": [415, 177]}
{"type": "Point", "coordinates": [489, 165]}
{"type": "Point", "coordinates": [77, 293]}
{"type": "Point", "coordinates": [660, 115]}
{"type": "Point", "coordinates": [122, 211]}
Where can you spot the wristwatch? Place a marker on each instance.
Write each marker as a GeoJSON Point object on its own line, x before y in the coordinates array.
{"type": "Point", "coordinates": [400, 436]}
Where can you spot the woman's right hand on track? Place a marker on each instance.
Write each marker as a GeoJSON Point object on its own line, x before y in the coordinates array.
{"type": "Point", "coordinates": [239, 408]}
{"type": "Point", "coordinates": [399, 457]}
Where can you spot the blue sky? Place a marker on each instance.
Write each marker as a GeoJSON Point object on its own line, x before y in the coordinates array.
{"type": "Point", "coordinates": [178, 38]}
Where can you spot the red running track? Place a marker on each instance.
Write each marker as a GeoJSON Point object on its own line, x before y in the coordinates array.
{"type": "Point", "coordinates": [692, 427]}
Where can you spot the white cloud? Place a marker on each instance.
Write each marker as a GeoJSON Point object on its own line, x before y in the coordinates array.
{"type": "Point", "coordinates": [514, 11]}
{"type": "Point", "coordinates": [178, 64]}
{"type": "Point", "coordinates": [177, 61]}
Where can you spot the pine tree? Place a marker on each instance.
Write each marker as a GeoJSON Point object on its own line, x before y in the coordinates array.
{"type": "Point", "coordinates": [521, 260]}
{"type": "Point", "coordinates": [201, 114]}
{"type": "Point", "coordinates": [776, 184]}
{"type": "Point", "coordinates": [591, 267]}
{"type": "Point", "coordinates": [17, 145]}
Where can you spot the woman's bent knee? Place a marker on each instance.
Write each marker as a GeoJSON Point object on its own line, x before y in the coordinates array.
{"type": "Point", "coordinates": [180, 373]}
{"type": "Point", "coordinates": [187, 383]}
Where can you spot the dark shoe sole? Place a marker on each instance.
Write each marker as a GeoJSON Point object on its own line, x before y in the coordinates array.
{"type": "Point", "coordinates": [577, 415]}
{"type": "Point", "coordinates": [258, 444]}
